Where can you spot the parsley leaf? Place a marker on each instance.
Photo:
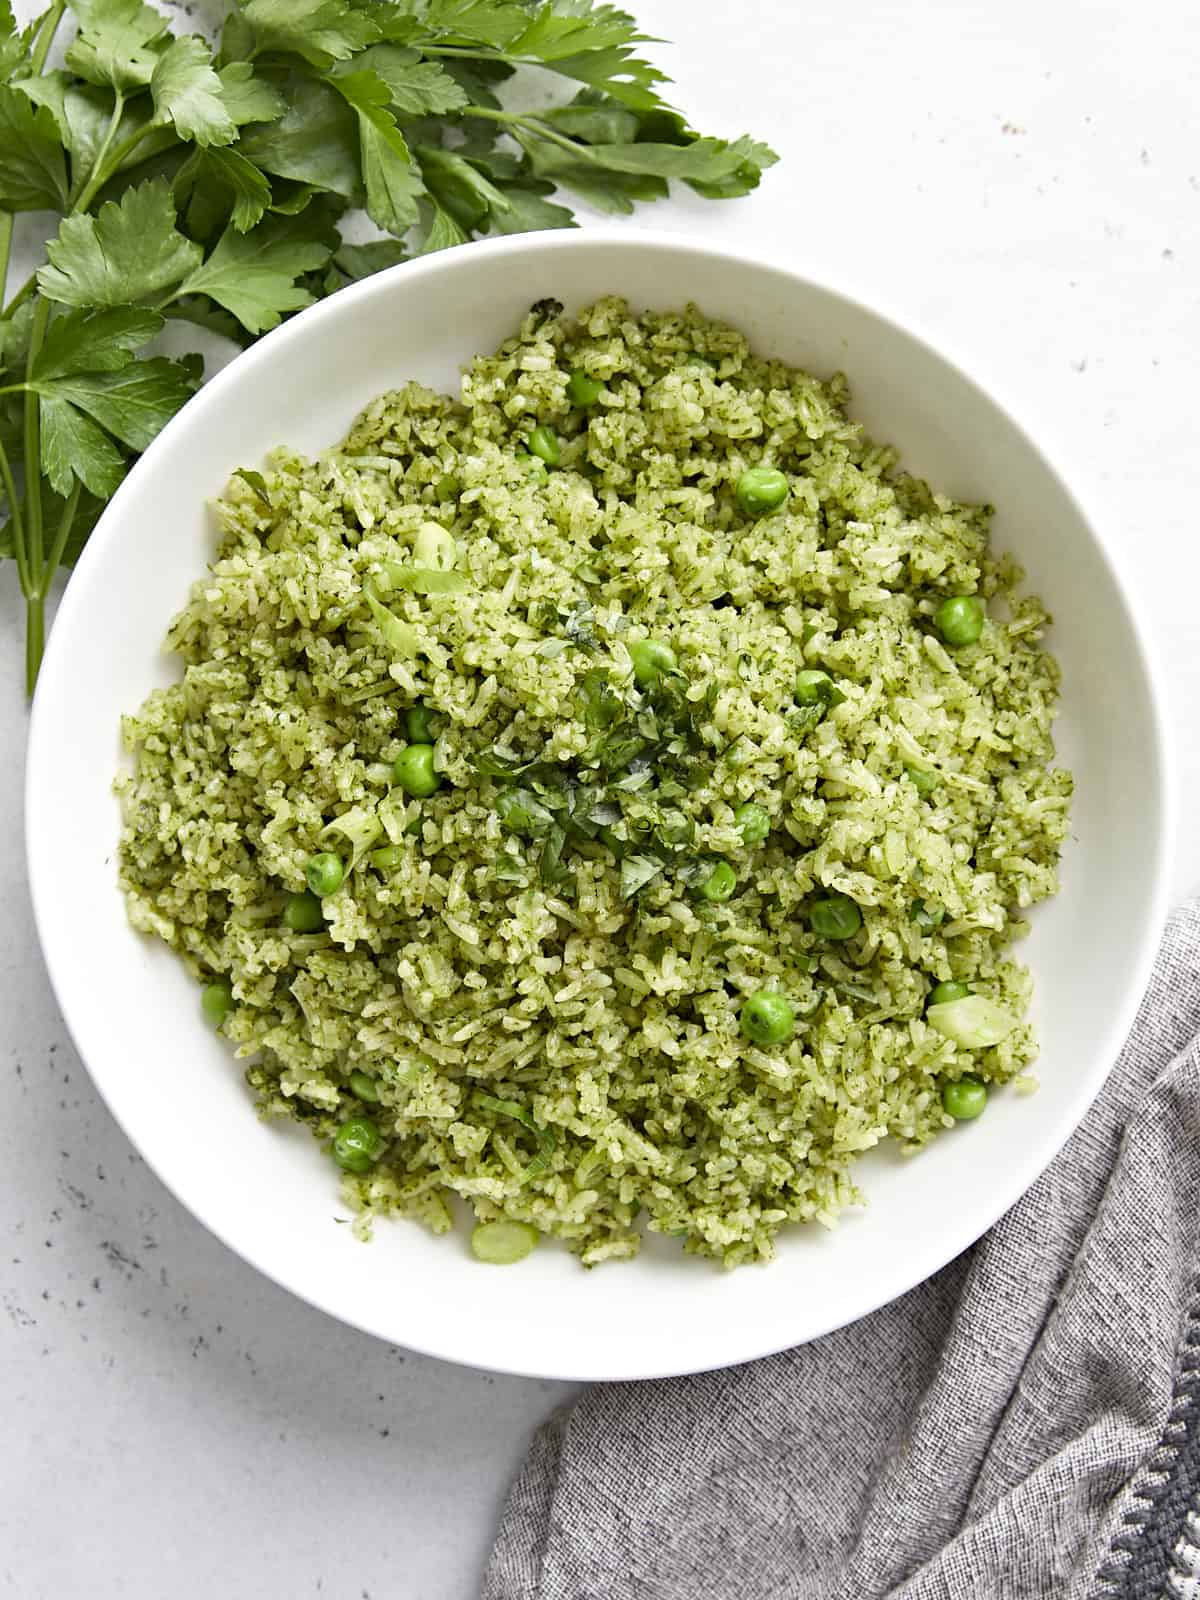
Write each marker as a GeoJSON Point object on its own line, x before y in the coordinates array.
{"type": "Point", "coordinates": [460, 188]}
{"type": "Point", "coordinates": [319, 31]}
{"type": "Point", "coordinates": [527, 210]}
{"type": "Point", "coordinates": [554, 35]}
{"type": "Point", "coordinates": [315, 141]}
{"type": "Point", "coordinates": [415, 88]}
{"type": "Point", "coordinates": [116, 42]}
{"type": "Point", "coordinates": [254, 274]}
{"type": "Point", "coordinates": [202, 313]}
{"type": "Point", "coordinates": [12, 45]}
{"type": "Point", "coordinates": [391, 181]}
{"type": "Point", "coordinates": [80, 111]}
{"type": "Point", "coordinates": [357, 261]}
{"type": "Point", "coordinates": [247, 98]}
{"type": "Point", "coordinates": [488, 22]}
{"type": "Point", "coordinates": [187, 92]}
{"type": "Point", "coordinates": [133, 404]}
{"type": "Point", "coordinates": [753, 159]}
{"type": "Point", "coordinates": [74, 447]}
{"type": "Point", "coordinates": [443, 233]}
{"type": "Point", "coordinates": [33, 168]}
{"type": "Point", "coordinates": [637, 872]}
{"type": "Point", "coordinates": [225, 172]}
{"type": "Point", "coordinates": [95, 341]}
{"type": "Point", "coordinates": [130, 252]}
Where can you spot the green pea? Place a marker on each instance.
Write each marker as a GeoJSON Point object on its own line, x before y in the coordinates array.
{"type": "Point", "coordinates": [926, 915]}
{"type": "Point", "coordinates": [965, 1099]}
{"type": "Point", "coordinates": [543, 442]}
{"type": "Point", "coordinates": [651, 658]}
{"type": "Point", "coordinates": [760, 490]}
{"type": "Point", "coordinates": [364, 1086]}
{"type": "Point", "coordinates": [448, 487]}
{"type": "Point", "coordinates": [817, 688]}
{"type": "Point", "coordinates": [582, 390]}
{"type": "Point", "coordinates": [387, 858]}
{"type": "Point", "coordinates": [413, 771]}
{"type": "Point", "coordinates": [720, 883]}
{"type": "Point", "coordinates": [753, 821]}
{"type": "Point", "coordinates": [325, 874]}
{"type": "Point", "coordinates": [948, 989]}
{"type": "Point", "coordinates": [302, 913]}
{"type": "Point", "coordinates": [532, 467]}
{"type": "Point", "coordinates": [959, 620]}
{"type": "Point", "coordinates": [216, 1001]}
{"type": "Point", "coordinates": [416, 722]}
{"type": "Point", "coordinates": [923, 782]}
{"type": "Point", "coordinates": [835, 916]}
{"type": "Point", "coordinates": [357, 1145]}
{"type": "Point", "coordinates": [768, 1018]}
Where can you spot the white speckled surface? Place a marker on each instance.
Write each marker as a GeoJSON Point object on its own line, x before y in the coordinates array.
{"type": "Point", "coordinates": [1024, 181]}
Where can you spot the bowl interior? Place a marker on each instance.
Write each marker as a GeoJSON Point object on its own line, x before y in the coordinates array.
{"type": "Point", "coordinates": [268, 1191]}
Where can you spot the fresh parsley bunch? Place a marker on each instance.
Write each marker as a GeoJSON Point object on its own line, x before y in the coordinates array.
{"type": "Point", "coordinates": [210, 187]}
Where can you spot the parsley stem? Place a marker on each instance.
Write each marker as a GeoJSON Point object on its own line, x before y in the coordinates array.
{"type": "Point", "coordinates": [15, 518]}
{"type": "Point", "coordinates": [48, 28]}
{"type": "Point", "coordinates": [6, 233]}
{"type": "Point", "coordinates": [20, 297]}
{"type": "Point", "coordinates": [99, 174]}
{"type": "Point", "coordinates": [33, 477]}
{"type": "Point", "coordinates": [35, 638]}
{"type": "Point", "coordinates": [428, 49]}
{"type": "Point", "coordinates": [533, 125]}
{"type": "Point", "coordinates": [65, 523]}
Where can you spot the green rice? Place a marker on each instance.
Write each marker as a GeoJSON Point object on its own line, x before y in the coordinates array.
{"type": "Point", "coordinates": [545, 1023]}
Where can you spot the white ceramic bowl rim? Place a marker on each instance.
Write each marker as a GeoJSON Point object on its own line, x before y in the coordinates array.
{"type": "Point", "coordinates": [959, 1232]}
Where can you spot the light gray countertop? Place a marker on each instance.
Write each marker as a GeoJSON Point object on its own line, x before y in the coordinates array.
{"type": "Point", "coordinates": [1023, 180]}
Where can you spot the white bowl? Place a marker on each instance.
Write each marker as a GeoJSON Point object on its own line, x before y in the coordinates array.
{"type": "Point", "coordinates": [268, 1191]}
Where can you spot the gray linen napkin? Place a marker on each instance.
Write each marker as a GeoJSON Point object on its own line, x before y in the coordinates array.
{"type": "Point", "coordinates": [1018, 1426]}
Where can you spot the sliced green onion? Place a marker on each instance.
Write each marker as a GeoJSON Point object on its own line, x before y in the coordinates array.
{"type": "Point", "coordinates": [427, 580]}
{"type": "Point", "coordinates": [513, 1109]}
{"type": "Point", "coordinates": [362, 828]}
{"type": "Point", "coordinates": [590, 1164]}
{"type": "Point", "coordinates": [400, 637]}
{"type": "Point", "coordinates": [974, 1022]}
{"type": "Point", "coordinates": [387, 858]}
{"type": "Point", "coordinates": [501, 1244]}
{"type": "Point", "coordinates": [434, 548]}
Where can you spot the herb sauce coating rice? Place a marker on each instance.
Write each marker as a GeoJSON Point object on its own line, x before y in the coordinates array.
{"type": "Point", "coordinates": [527, 986]}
